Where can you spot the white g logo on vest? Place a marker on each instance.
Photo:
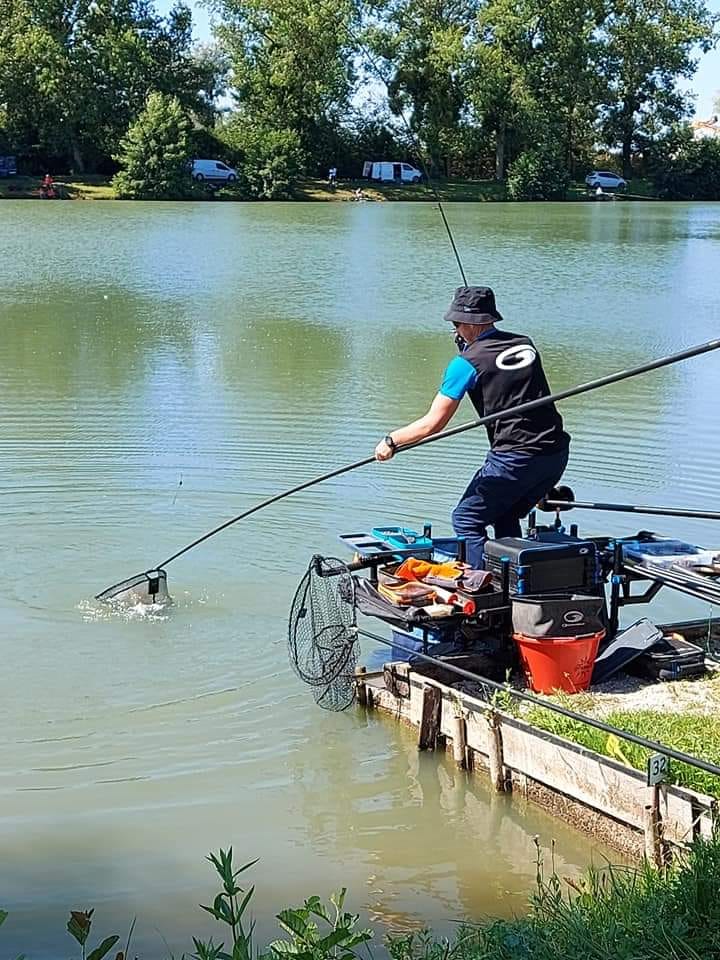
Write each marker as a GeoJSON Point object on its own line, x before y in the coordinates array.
{"type": "Point", "coordinates": [515, 358]}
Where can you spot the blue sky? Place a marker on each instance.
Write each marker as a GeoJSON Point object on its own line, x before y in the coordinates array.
{"type": "Point", "coordinates": [706, 83]}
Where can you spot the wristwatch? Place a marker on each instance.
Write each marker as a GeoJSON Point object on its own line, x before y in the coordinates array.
{"type": "Point", "coordinates": [390, 442]}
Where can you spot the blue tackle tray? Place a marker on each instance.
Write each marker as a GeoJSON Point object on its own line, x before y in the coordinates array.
{"type": "Point", "coordinates": [388, 542]}
{"type": "Point", "coordinates": [402, 538]}
{"type": "Point", "coordinates": [397, 541]}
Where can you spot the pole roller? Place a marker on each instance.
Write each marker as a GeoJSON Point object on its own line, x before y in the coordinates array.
{"type": "Point", "coordinates": [632, 508]}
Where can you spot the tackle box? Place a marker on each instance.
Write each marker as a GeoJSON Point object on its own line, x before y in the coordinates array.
{"type": "Point", "coordinates": [556, 562]}
{"type": "Point", "coordinates": [672, 657]}
{"type": "Point", "coordinates": [666, 553]}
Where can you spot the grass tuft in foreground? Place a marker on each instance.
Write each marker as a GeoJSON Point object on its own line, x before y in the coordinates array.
{"type": "Point", "coordinates": [613, 914]}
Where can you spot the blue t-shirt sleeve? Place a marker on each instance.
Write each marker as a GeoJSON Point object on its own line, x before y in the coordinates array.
{"type": "Point", "coordinates": [459, 377]}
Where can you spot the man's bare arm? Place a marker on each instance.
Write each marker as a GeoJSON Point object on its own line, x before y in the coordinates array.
{"type": "Point", "coordinates": [436, 419]}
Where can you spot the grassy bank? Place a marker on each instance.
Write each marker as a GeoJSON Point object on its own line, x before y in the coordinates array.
{"type": "Point", "coordinates": [67, 188]}
{"type": "Point", "coordinates": [694, 734]}
{"type": "Point", "coordinates": [616, 913]}
{"type": "Point", "coordinates": [460, 191]}
{"type": "Point", "coordinates": [450, 191]}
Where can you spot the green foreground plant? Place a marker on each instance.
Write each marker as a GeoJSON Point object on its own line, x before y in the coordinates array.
{"type": "Point", "coordinates": [227, 908]}
{"type": "Point", "coordinates": [78, 926]}
{"type": "Point", "coordinates": [307, 940]}
{"type": "Point", "coordinates": [617, 913]}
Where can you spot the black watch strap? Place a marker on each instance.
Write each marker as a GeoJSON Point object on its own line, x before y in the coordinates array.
{"type": "Point", "coordinates": [390, 442]}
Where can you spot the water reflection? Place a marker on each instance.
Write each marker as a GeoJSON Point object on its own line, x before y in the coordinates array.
{"type": "Point", "coordinates": [354, 802]}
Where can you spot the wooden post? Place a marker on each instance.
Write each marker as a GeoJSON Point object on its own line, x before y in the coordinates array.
{"type": "Point", "coordinates": [361, 688]}
{"type": "Point", "coordinates": [430, 718]}
{"type": "Point", "coordinates": [459, 741]}
{"type": "Point", "coordinates": [495, 757]}
{"type": "Point", "coordinates": [654, 852]}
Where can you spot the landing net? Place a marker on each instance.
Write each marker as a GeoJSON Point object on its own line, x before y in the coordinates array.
{"type": "Point", "coordinates": [322, 633]}
{"type": "Point", "coordinates": [147, 587]}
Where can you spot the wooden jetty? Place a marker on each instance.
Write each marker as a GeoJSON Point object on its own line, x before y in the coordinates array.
{"type": "Point", "coordinates": [595, 793]}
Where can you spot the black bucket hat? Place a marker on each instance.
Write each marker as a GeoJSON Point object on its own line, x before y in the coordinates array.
{"type": "Point", "coordinates": [473, 305]}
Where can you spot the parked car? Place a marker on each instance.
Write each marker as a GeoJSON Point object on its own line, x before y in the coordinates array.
{"type": "Point", "coordinates": [387, 172]}
{"type": "Point", "coordinates": [605, 179]}
{"type": "Point", "coordinates": [8, 167]}
{"type": "Point", "coordinates": [212, 170]}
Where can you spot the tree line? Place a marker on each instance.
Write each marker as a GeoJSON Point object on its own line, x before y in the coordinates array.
{"type": "Point", "coordinates": [532, 92]}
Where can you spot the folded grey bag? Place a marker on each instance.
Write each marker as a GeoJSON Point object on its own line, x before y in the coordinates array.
{"type": "Point", "coordinates": [557, 615]}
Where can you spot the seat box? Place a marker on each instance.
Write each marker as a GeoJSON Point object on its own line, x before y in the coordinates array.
{"type": "Point", "coordinates": [537, 566]}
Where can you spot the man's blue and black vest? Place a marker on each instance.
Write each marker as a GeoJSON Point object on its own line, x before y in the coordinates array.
{"type": "Point", "coordinates": [509, 372]}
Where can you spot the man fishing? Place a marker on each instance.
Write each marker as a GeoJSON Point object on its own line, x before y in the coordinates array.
{"type": "Point", "coordinates": [528, 451]}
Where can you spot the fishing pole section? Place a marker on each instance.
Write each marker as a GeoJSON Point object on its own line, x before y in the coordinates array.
{"type": "Point", "coordinates": [150, 586]}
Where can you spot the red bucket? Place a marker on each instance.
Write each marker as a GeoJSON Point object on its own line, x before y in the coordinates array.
{"type": "Point", "coordinates": [558, 663]}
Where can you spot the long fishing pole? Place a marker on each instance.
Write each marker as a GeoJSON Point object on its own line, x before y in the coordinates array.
{"type": "Point", "coordinates": [453, 431]}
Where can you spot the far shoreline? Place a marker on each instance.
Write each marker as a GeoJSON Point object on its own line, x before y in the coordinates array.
{"type": "Point", "coordinates": [97, 187]}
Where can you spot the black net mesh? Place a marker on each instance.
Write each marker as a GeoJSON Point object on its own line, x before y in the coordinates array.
{"type": "Point", "coordinates": [147, 587]}
{"type": "Point", "coordinates": [322, 633]}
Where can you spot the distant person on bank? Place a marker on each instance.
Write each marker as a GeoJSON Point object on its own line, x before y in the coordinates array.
{"type": "Point", "coordinates": [47, 187]}
{"type": "Point", "coordinates": [528, 451]}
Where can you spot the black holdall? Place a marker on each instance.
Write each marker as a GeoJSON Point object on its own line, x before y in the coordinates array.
{"type": "Point", "coordinates": [557, 615]}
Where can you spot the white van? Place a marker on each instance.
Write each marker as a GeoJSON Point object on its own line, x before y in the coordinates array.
{"type": "Point", "coordinates": [212, 170]}
{"type": "Point", "coordinates": [386, 172]}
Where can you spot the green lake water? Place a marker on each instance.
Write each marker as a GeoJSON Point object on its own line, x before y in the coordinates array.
{"type": "Point", "coordinates": [166, 366]}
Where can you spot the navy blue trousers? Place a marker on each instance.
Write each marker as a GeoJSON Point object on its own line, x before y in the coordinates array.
{"type": "Point", "coordinates": [504, 489]}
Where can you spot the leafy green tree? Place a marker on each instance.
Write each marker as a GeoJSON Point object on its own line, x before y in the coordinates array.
{"type": "Point", "coordinates": [563, 73]}
{"type": "Point", "coordinates": [291, 63]}
{"type": "Point", "coordinates": [421, 49]}
{"type": "Point", "coordinates": [498, 81]}
{"type": "Point", "coordinates": [154, 155]}
{"type": "Point", "coordinates": [648, 46]}
{"type": "Point", "coordinates": [269, 159]}
{"type": "Point", "coordinates": [75, 73]}
{"type": "Point", "coordinates": [540, 173]}
{"type": "Point", "coordinates": [687, 169]}
{"type": "Point", "coordinates": [533, 77]}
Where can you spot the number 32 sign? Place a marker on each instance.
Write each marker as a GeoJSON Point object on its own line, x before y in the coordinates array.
{"type": "Point", "coordinates": [658, 767]}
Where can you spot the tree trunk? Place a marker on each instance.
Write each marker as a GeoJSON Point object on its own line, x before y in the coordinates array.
{"type": "Point", "coordinates": [78, 162]}
{"type": "Point", "coordinates": [627, 154]}
{"type": "Point", "coordinates": [628, 129]}
{"type": "Point", "coordinates": [500, 152]}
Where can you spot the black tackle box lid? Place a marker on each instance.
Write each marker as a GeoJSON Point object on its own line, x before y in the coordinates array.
{"type": "Point", "coordinates": [671, 658]}
{"type": "Point", "coordinates": [522, 551]}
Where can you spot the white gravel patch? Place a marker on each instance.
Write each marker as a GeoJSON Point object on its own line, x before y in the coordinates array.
{"type": "Point", "coordinates": [629, 693]}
